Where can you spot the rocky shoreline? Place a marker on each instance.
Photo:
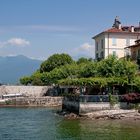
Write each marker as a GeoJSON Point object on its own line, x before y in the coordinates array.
{"type": "Point", "coordinates": [119, 114]}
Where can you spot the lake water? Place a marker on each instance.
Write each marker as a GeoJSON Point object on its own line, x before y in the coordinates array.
{"type": "Point", "coordinates": [45, 124]}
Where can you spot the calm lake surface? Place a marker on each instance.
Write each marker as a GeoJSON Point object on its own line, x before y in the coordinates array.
{"type": "Point", "coordinates": [45, 124]}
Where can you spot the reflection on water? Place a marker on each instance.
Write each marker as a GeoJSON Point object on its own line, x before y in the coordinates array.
{"type": "Point", "coordinates": [44, 124]}
{"type": "Point", "coordinates": [99, 130]}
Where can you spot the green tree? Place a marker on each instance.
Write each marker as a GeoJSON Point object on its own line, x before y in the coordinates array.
{"type": "Point", "coordinates": [55, 69]}
{"type": "Point", "coordinates": [63, 72]}
{"type": "Point", "coordinates": [55, 61]}
{"type": "Point", "coordinates": [44, 78]}
{"type": "Point", "coordinates": [136, 83]}
{"type": "Point", "coordinates": [113, 67]}
{"type": "Point", "coordinates": [83, 60]}
{"type": "Point", "coordinates": [106, 67]}
{"type": "Point", "coordinates": [36, 79]}
{"type": "Point", "coordinates": [130, 70]}
{"type": "Point", "coordinates": [25, 80]}
{"type": "Point", "coordinates": [88, 70]}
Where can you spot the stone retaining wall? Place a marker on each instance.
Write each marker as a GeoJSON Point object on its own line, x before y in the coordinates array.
{"type": "Point", "coordinates": [96, 106]}
{"type": "Point", "coordinates": [90, 107]}
{"type": "Point", "coordinates": [30, 91]}
{"type": "Point", "coordinates": [40, 101]}
{"type": "Point", "coordinates": [79, 107]}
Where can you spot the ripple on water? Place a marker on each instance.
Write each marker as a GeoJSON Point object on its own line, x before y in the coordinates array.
{"type": "Point", "coordinates": [43, 124]}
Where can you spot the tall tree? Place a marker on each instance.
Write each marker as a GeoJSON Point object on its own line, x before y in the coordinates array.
{"type": "Point", "coordinates": [83, 60]}
{"type": "Point", "coordinates": [116, 67]}
{"type": "Point", "coordinates": [55, 61]}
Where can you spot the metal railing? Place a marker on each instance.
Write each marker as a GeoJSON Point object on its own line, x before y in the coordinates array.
{"type": "Point", "coordinates": [92, 98]}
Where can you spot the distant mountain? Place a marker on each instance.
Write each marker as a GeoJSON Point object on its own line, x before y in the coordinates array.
{"type": "Point", "coordinates": [14, 67]}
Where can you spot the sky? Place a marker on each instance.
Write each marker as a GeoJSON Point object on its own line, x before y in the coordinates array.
{"type": "Point", "coordinates": [40, 28]}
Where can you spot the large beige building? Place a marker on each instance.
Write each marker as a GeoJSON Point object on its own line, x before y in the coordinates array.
{"type": "Point", "coordinates": [114, 40]}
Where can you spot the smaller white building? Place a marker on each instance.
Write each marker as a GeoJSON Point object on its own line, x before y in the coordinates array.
{"type": "Point", "coordinates": [114, 40]}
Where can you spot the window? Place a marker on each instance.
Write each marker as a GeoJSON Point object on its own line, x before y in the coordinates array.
{"type": "Point", "coordinates": [96, 46]}
{"type": "Point", "coordinates": [127, 42]}
{"type": "Point", "coordinates": [97, 56]}
{"type": "Point", "coordinates": [114, 53]}
{"type": "Point", "coordinates": [102, 43]}
{"type": "Point", "coordinates": [102, 54]}
{"type": "Point", "coordinates": [114, 42]}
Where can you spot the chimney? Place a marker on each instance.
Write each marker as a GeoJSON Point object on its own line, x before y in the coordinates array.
{"type": "Point", "coordinates": [117, 23]}
{"type": "Point", "coordinates": [132, 29]}
{"type": "Point", "coordinates": [119, 26]}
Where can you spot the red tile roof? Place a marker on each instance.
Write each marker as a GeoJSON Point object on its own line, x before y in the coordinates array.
{"type": "Point", "coordinates": [124, 29]}
{"type": "Point", "coordinates": [132, 46]}
{"type": "Point", "coordinates": [113, 30]}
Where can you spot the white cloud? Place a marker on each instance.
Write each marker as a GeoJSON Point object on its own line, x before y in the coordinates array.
{"type": "Point", "coordinates": [85, 49]}
{"type": "Point", "coordinates": [18, 42]}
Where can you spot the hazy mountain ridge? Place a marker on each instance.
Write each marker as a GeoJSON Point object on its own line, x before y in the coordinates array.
{"type": "Point", "coordinates": [14, 67]}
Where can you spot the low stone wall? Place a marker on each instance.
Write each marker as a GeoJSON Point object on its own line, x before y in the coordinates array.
{"type": "Point", "coordinates": [76, 105]}
{"type": "Point", "coordinates": [90, 107]}
{"type": "Point", "coordinates": [81, 107]}
{"type": "Point", "coordinates": [40, 101]}
{"type": "Point", "coordinates": [30, 91]}
{"type": "Point", "coordinates": [97, 106]}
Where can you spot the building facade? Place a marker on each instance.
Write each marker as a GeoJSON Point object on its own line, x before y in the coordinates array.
{"type": "Point", "coordinates": [134, 50]}
{"type": "Point", "coordinates": [114, 40]}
